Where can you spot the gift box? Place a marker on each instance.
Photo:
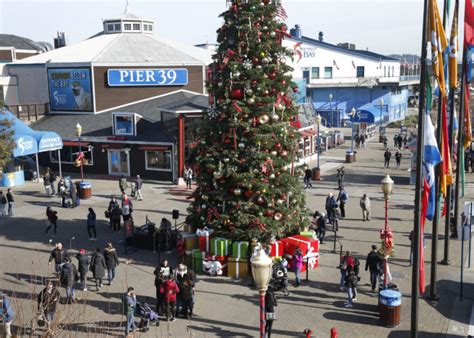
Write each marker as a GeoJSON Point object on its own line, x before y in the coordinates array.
{"type": "Point", "coordinates": [220, 246]}
{"type": "Point", "coordinates": [197, 259]}
{"type": "Point", "coordinates": [188, 258]}
{"type": "Point", "coordinates": [190, 241]}
{"type": "Point", "coordinates": [307, 245]}
{"type": "Point", "coordinates": [187, 228]}
{"type": "Point", "coordinates": [310, 234]}
{"type": "Point", "coordinates": [240, 249]}
{"type": "Point", "coordinates": [276, 249]}
{"type": "Point", "coordinates": [204, 238]}
{"type": "Point", "coordinates": [210, 258]}
{"type": "Point", "coordinates": [237, 267]}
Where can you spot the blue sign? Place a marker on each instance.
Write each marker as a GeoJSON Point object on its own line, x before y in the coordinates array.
{"type": "Point", "coordinates": [147, 77]}
{"type": "Point", "coordinates": [70, 89]}
{"type": "Point", "coordinates": [49, 141]}
{"type": "Point", "coordinates": [25, 145]}
{"type": "Point", "coordinates": [363, 116]}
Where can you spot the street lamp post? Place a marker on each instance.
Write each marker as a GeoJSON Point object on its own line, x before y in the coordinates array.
{"type": "Point", "coordinates": [317, 121]}
{"type": "Point", "coordinates": [261, 272]}
{"type": "Point", "coordinates": [81, 155]}
{"type": "Point", "coordinates": [387, 186]}
{"type": "Point", "coordinates": [381, 102]}
{"type": "Point", "coordinates": [353, 113]}
{"type": "Point", "coordinates": [330, 110]}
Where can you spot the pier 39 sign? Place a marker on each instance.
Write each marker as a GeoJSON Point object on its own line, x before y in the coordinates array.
{"type": "Point", "coordinates": [147, 77]}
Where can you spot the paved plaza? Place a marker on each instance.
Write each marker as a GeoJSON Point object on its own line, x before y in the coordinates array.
{"type": "Point", "coordinates": [226, 307]}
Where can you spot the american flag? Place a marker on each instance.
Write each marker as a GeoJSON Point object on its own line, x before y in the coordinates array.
{"type": "Point", "coordinates": [281, 13]}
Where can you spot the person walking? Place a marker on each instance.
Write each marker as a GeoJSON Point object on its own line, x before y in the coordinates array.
{"type": "Point", "coordinates": [48, 299]}
{"type": "Point", "coordinates": [6, 316]}
{"type": "Point", "coordinates": [346, 260]}
{"type": "Point", "coordinates": [52, 216]}
{"type": "Point", "coordinates": [138, 187]}
{"type": "Point", "coordinates": [83, 267]}
{"type": "Point", "coordinates": [108, 213]}
{"type": "Point", "coordinates": [395, 140]}
{"type": "Point", "coordinates": [340, 178]}
{"type": "Point", "coordinates": [91, 223]}
{"type": "Point", "coordinates": [365, 206]}
{"type": "Point", "coordinates": [362, 140]}
{"type": "Point", "coordinates": [130, 303]}
{"type": "Point", "coordinates": [73, 193]}
{"type": "Point", "coordinates": [387, 155]}
{"type": "Point", "coordinates": [372, 264]}
{"type": "Point", "coordinates": [330, 205]}
{"type": "Point", "coordinates": [111, 261]}
{"type": "Point", "coordinates": [307, 178]}
{"type": "Point", "coordinates": [52, 178]}
{"type": "Point", "coordinates": [342, 198]}
{"type": "Point", "coordinates": [170, 290]}
{"type": "Point", "coordinates": [297, 265]}
{"type": "Point", "coordinates": [270, 316]}
{"type": "Point", "coordinates": [321, 227]}
{"type": "Point", "coordinates": [3, 204]}
{"type": "Point", "coordinates": [59, 256]}
{"type": "Point", "coordinates": [123, 184]}
{"type": "Point", "coordinates": [398, 158]}
{"type": "Point", "coordinates": [351, 285]}
{"type": "Point", "coordinates": [11, 202]}
{"type": "Point", "coordinates": [116, 217]}
{"type": "Point", "coordinates": [69, 277]}
{"type": "Point", "coordinates": [186, 288]}
{"type": "Point", "coordinates": [159, 280]}
{"type": "Point", "coordinates": [399, 141]}
{"type": "Point", "coordinates": [98, 267]}
{"type": "Point", "coordinates": [47, 184]}
{"type": "Point", "coordinates": [188, 176]}
{"type": "Point", "coordinates": [127, 208]}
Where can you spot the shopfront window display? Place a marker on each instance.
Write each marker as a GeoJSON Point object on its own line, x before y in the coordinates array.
{"type": "Point", "coordinates": [158, 160]}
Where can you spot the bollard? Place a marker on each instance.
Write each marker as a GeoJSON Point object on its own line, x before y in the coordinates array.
{"type": "Point", "coordinates": [333, 332]}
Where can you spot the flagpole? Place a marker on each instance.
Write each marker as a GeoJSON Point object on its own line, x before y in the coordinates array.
{"type": "Point", "coordinates": [419, 179]}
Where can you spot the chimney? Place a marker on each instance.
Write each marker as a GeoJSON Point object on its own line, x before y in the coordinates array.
{"type": "Point", "coordinates": [296, 32]}
{"type": "Point", "coordinates": [321, 36]}
{"type": "Point", "coordinates": [60, 40]}
{"type": "Point", "coordinates": [347, 45]}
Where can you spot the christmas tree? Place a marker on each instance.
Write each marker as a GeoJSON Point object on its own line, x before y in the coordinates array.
{"type": "Point", "coordinates": [247, 181]}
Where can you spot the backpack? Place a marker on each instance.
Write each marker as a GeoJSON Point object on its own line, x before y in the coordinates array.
{"type": "Point", "coordinates": [344, 196]}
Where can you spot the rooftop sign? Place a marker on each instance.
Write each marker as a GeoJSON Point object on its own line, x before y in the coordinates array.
{"type": "Point", "coordinates": [147, 77]}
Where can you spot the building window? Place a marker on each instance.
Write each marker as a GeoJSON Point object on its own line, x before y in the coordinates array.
{"type": "Point", "coordinates": [315, 72]}
{"type": "Point", "coordinates": [70, 153]}
{"type": "Point", "coordinates": [158, 160]}
{"type": "Point", "coordinates": [124, 124]}
{"type": "Point", "coordinates": [384, 71]}
{"type": "Point", "coordinates": [127, 26]}
{"type": "Point", "coordinates": [360, 71]}
{"type": "Point", "coordinates": [110, 27]}
{"type": "Point", "coordinates": [393, 71]}
{"type": "Point", "coordinates": [117, 27]}
{"type": "Point", "coordinates": [136, 27]}
{"type": "Point", "coordinates": [328, 72]}
{"type": "Point", "coordinates": [306, 75]}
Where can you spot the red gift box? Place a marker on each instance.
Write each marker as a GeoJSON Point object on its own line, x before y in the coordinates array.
{"type": "Point", "coordinates": [276, 249]}
{"type": "Point", "coordinates": [205, 243]}
{"type": "Point", "coordinates": [306, 244]}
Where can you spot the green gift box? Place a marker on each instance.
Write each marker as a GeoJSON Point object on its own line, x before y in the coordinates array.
{"type": "Point", "coordinates": [240, 249]}
{"type": "Point", "coordinates": [310, 234]}
{"type": "Point", "coordinates": [220, 246]}
{"type": "Point", "coordinates": [197, 257]}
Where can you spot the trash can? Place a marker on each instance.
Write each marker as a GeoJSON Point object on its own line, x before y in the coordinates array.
{"type": "Point", "coordinates": [316, 174]}
{"type": "Point", "coordinates": [85, 190]}
{"type": "Point", "coordinates": [390, 307]}
{"type": "Point", "coordinates": [349, 156]}
{"type": "Point", "coordinates": [354, 156]}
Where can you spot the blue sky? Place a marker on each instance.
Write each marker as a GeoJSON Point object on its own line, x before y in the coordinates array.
{"type": "Point", "coordinates": [385, 26]}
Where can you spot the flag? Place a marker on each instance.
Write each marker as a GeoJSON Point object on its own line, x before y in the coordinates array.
{"type": "Point", "coordinates": [467, 129]}
{"type": "Point", "coordinates": [439, 44]}
{"type": "Point", "coordinates": [469, 23]}
{"type": "Point", "coordinates": [446, 168]}
{"type": "Point", "coordinates": [453, 50]}
{"type": "Point", "coordinates": [431, 156]}
{"type": "Point", "coordinates": [424, 206]}
{"type": "Point", "coordinates": [281, 13]}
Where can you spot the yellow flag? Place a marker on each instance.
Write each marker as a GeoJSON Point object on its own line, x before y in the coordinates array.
{"type": "Point", "coordinates": [453, 50]}
{"type": "Point", "coordinates": [439, 43]}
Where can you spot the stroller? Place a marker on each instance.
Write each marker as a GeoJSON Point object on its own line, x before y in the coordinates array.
{"type": "Point", "coordinates": [146, 315]}
{"type": "Point", "coordinates": [279, 280]}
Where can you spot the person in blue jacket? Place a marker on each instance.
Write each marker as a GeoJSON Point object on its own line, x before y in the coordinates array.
{"type": "Point", "coordinates": [6, 317]}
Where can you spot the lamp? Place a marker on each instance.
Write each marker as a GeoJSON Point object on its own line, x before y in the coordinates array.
{"type": "Point", "coordinates": [78, 130]}
{"type": "Point", "coordinates": [330, 109]}
{"type": "Point", "coordinates": [317, 122]}
{"type": "Point", "coordinates": [353, 114]}
{"type": "Point", "coordinates": [381, 102]}
{"type": "Point", "coordinates": [387, 186]}
{"type": "Point", "coordinates": [261, 272]}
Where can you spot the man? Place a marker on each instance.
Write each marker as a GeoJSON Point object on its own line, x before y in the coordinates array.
{"type": "Point", "coordinates": [130, 303]}
{"type": "Point", "coordinates": [387, 155]}
{"type": "Point", "coordinates": [69, 276]}
{"type": "Point", "coordinates": [321, 227]}
{"type": "Point", "coordinates": [307, 178]}
{"type": "Point", "coordinates": [47, 300]}
{"type": "Point", "coordinates": [59, 256]}
{"type": "Point", "coordinates": [170, 290]}
{"type": "Point", "coordinates": [6, 316]}
{"type": "Point", "coordinates": [362, 140]}
{"type": "Point", "coordinates": [10, 201]}
{"type": "Point", "coordinates": [138, 187]}
{"type": "Point", "coordinates": [342, 199]}
{"type": "Point", "coordinates": [123, 184]}
{"type": "Point", "coordinates": [331, 204]}
{"type": "Point", "coordinates": [345, 262]}
{"type": "Point", "coordinates": [365, 206]}
{"type": "Point", "coordinates": [399, 141]}
{"type": "Point", "coordinates": [372, 263]}
{"type": "Point", "coordinates": [188, 176]}
{"type": "Point", "coordinates": [398, 158]}
{"type": "Point", "coordinates": [83, 264]}
{"type": "Point", "coordinates": [340, 178]}
{"type": "Point", "coordinates": [3, 204]}
{"type": "Point", "coordinates": [73, 192]}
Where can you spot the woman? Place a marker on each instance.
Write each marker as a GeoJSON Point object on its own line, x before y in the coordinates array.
{"type": "Point", "coordinates": [98, 268]}
{"type": "Point", "coordinates": [297, 265]}
{"type": "Point", "coordinates": [270, 303]}
{"type": "Point", "coordinates": [108, 212]}
{"type": "Point", "coordinates": [111, 261]}
{"type": "Point", "coordinates": [83, 264]}
{"type": "Point", "coordinates": [52, 216]}
{"type": "Point", "coordinates": [91, 221]}
{"type": "Point", "coordinates": [48, 298]}
{"type": "Point", "coordinates": [186, 296]}
{"type": "Point", "coordinates": [351, 285]}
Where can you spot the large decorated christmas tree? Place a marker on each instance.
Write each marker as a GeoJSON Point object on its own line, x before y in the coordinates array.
{"type": "Point", "coordinates": [247, 180]}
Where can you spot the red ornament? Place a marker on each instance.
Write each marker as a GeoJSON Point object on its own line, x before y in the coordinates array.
{"type": "Point", "coordinates": [234, 8]}
{"type": "Point", "coordinates": [277, 145]}
{"type": "Point", "coordinates": [248, 193]}
{"type": "Point", "coordinates": [254, 82]}
{"type": "Point", "coordinates": [283, 28]}
{"type": "Point", "coordinates": [283, 82]}
{"type": "Point", "coordinates": [266, 2]}
{"type": "Point", "coordinates": [237, 93]}
{"type": "Point", "coordinates": [272, 75]}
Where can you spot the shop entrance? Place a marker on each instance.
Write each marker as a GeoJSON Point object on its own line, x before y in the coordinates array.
{"type": "Point", "coordinates": [119, 162]}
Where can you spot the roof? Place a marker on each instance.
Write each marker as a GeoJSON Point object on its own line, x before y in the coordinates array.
{"type": "Point", "coordinates": [361, 53]}
{"type": "Point", "coordinates": [124, 49]}
{"type": "Point", "coordinates": [19, 42]}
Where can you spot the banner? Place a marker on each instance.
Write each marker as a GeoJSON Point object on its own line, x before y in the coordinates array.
{"type": "Point", "coordinates": [70, 89]}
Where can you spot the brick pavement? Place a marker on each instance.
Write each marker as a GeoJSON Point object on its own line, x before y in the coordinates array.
{"type": "Point", "coordinates": [226, 307]}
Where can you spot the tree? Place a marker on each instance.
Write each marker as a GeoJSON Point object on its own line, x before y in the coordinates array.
{"type": "Point", "coordinates": [7, 143]}
{"type": "Point", "coordinates": [248, 185]}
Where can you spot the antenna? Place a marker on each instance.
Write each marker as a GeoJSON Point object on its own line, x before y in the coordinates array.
{"type": "Point", "coordinates": [126, 7]}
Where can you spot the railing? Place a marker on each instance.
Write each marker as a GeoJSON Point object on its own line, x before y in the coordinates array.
{"type": "Point", "coordinates": [410, 78]}
{"type": "Point", "coordinates": [29, 112]}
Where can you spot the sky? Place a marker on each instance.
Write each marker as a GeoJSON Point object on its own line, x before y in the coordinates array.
{"type": "Point", "coordinates": [383, 26]}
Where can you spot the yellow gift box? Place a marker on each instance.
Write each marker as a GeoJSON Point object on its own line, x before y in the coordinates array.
{"type": "Point", "coordinates": [190, 241]}
{"type": "Point", "coordinates": [187, 228]}
{"type": "Point", "coordinates": [237, 267]}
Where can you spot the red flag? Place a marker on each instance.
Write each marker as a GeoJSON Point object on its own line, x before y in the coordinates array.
{"type": "Point", "coordinates": [446, 168]}
{"type": "Point", "coordinates": [469, 23]}
{"type": "Point", "coordinates": [424, 208]}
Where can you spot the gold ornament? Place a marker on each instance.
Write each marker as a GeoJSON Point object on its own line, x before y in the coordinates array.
{"type": "Point", "coordinates": [264, 119]}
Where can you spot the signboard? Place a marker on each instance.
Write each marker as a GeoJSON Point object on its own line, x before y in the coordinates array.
{"type": "Point", "coordinates": [70, 89]}
{"type": "Point", "coordinates": [25, 145]}
{"type": "Point", "coordinates": [363, 116]}
{"type": "Point", "coordinates": [147, 77]}
{"type": "Point", "coordinates": [50, 141]}
{"type": "Point", "coordinates": [303, 52]}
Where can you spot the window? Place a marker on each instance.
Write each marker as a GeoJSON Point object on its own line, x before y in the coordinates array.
{"type": "Point", "coordinates": [158, 160]}
{"type": "Point", "coordinates": [117, 27]}
{"type": "Point", "coordinates": [127, 26]}
{"type": "Point", "coordinates": [393, 71]}
{"type": "Point", "coordinates": [384, 71]}
{"type": "Point", "coordinates": [306, 75]}
{"type": "Point", "coordinates": [124, 124]}
{"type": "Point", "coordinates": [315, 72]}
{"type": "Point", "coordinates": [328, 72]}
{"type": "Point", "coordinates": [360, 71]}
{"type": "Point", "coordinates": [110, 27]}
{"type": "Point", "coordinates": [69, 155]}
{"type": "Point", "coordinates": [136, 27]}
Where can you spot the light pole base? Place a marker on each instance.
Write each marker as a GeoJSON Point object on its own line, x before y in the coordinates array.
{"type": "Point", "coordinates": [317, 174]}
{"type": "Point", "coordinates": [445, 262]}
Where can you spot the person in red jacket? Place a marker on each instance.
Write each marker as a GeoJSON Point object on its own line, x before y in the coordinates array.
{"type": "Point", "coordinates": [169, 289]}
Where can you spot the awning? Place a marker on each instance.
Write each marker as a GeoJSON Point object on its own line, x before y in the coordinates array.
{"type": "Point", "coordinates": [154, 148]}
